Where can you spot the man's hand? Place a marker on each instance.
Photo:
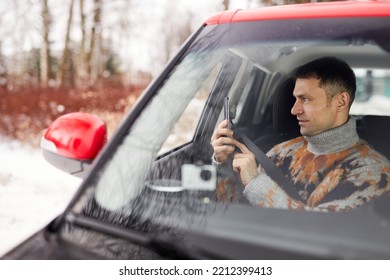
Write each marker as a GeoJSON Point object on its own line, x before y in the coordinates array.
{"type": "Point", "coordinates": [245, 164]}
{"type": "Point", "coordinates": [223, 142]}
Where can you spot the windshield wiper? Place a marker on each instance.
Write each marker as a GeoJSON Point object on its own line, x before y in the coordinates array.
{"type": "Point", "coordinates": [163, 244]}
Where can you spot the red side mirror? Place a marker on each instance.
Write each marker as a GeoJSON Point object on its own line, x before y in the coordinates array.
{"type": "Point", "coordinates": [73, 140]}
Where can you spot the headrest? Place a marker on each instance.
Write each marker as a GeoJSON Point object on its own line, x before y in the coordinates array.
{"type": "Point", "coordinates": [376, 131]}
{"type": "Point", "coordinates": [283, 120]}
{"type": "Point", "coordinates": [378, 126]}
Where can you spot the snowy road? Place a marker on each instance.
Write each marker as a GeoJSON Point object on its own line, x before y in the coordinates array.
{"type": "Point", "coordinates": [32, 192]}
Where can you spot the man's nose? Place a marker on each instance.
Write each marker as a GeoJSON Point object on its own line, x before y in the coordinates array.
{"type": "Point", "coordinates": [296, 108]}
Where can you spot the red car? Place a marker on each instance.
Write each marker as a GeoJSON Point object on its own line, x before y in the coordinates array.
{"type": "Point", "coordinates": [152, 191]}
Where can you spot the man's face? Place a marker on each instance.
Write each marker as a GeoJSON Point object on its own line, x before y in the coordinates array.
{"type": "Point", "coordinates": [315, 113]}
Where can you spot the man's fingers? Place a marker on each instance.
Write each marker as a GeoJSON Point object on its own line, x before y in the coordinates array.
{"type": "Point", "coordinates": [221, 132]}
{"type": "Point", "coordinates": [223, 124]}
{"type": "Point", "coordinates": [224, 132]}
{"type": "Point", "coordinates": [222, 141]}
{"type": "Point", "coordinates": [242, 147]}
{"type": "Point", "coordinates": [242, 156]}
{"type": "Point", "coordinates": [237, 165]}
{"type": "Point", "coordinates": [246, 166]}
{"type": "Point", "coordinates": [224, 149]}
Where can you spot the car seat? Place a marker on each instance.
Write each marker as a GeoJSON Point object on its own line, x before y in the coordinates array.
{"type": "Point", "coordinates": [285, 125]}
{"type": "Point", "coordinates": [376, 131]}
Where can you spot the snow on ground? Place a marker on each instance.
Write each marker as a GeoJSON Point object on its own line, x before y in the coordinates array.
{"type": "Point", "coordinates": [32, 192]}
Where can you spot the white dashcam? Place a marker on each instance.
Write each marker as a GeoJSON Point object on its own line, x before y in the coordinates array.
{"type": "Point", "coordinates": [199, 177]}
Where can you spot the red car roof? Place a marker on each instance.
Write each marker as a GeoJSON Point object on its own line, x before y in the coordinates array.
{"type": "Point", "coordinates": [311, 10]}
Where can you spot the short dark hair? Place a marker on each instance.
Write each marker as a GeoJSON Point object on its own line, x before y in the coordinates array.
{"type": "Point", "coordinates": [335, 75]}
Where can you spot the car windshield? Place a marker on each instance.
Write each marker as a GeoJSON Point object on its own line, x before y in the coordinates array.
{"type": "Point", "coordinates": [160, 176]}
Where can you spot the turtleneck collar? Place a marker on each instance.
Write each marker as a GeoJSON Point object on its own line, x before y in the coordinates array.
{"type": "Point", "coordinates": [334, 140]}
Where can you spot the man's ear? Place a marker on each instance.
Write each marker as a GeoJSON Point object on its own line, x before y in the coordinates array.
{"type": "Point", "coordinates": [343, 100]}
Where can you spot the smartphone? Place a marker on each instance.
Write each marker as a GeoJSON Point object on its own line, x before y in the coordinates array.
{"type": "Point", "coordinates": [226, 108]}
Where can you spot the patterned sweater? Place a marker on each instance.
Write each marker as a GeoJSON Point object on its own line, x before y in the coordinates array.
{"type": "Point", "coordinates": [332, 171]}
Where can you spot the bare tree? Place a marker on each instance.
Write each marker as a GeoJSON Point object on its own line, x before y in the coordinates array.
{"type": "Point", "coordinates": [3, 71]}
{"type": "Point", "coordinates": [226, 4]}
{"type": "Point", "coordinates": [62, 69]}
{"type": "Point", "coordinates": [45, 48]}
{"type": "Point", "coordinates": [93, 56]}
{"type": "Point", "coordinates": [81, 68]}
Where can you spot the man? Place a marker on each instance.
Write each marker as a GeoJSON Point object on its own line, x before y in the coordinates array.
{"type": "Point", "coordinates": [330, 167]}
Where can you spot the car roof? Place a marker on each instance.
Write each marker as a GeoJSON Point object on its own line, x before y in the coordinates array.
{"type": "Point", "coordinates": [308, 10]}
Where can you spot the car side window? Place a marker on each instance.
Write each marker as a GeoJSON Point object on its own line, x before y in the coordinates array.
{"type": "Point", "coordinates": [185, 127]}
{"type": "Point", "coordinates": [372, 92]}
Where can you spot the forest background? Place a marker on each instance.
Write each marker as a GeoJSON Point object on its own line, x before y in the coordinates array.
{"type": "Point", "coordinates": [93, 56]}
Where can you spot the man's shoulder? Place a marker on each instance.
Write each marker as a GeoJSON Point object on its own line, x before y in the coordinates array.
{"type": "Point", "coordinates": [369, 155]}
{"type": "Point", "coordinates": [367, 164]}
